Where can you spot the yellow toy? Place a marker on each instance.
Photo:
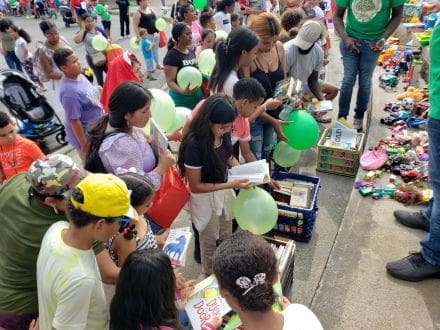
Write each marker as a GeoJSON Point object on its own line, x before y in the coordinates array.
{"type": "Point", "coordinates": [416, 94]}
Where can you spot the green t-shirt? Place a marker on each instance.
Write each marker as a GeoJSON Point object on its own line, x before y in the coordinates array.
{"type": "Point", "coordinates": [434, 74]}
{"type": "Point", "coordinates": [367, 19]}
{"type": "Point", "coordinates": [23, 223]}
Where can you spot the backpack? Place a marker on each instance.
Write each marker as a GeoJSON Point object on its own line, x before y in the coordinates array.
{"type": "Point", "coordinates": [93, 162]}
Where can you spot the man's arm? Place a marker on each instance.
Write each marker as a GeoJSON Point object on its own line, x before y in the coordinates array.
{"type": "Point", "coordinates": [79, 132]}
{"type": "Point", "coordinates": [396, 16]}
{"type": "Point", "coordinates": [313, 83]}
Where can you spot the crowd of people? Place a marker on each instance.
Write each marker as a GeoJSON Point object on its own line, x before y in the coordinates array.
{"type": "Point", "coordinates": [89, 228]}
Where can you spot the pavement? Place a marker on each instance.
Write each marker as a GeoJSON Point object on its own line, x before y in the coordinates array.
{"type": "Point", "coordinates": [340, 274]}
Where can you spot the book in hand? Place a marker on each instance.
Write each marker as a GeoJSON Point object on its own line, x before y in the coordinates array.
{"type": "Point", "coordinates": [159, 141]}
{"type": "Point", "coordinates": [319, 106]}
{"type": "Point", "coordinates": [177, 244]}
{"type": "Point", "coordinates": [287, 88]}
{"type": "Point", "coordinates": [256, 172]}
{"type": "Point", "coordinates": [204, 303]}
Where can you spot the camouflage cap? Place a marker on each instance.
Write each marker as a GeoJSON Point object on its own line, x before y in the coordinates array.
{"type": "Point", "coordinates": [55, 174]}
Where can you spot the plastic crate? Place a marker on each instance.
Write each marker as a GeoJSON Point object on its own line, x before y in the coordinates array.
{"type": "Point", "coordinates": [300, 226]}
{"type": "Point", "coordinates": [336, 160]}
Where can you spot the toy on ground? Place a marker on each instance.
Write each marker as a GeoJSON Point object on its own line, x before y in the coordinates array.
{"type": "Point", "coordinates": [416, 94]}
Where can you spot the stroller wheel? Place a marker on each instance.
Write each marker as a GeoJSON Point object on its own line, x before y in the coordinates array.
{"type": "Point", "coordinates": [61, 138]}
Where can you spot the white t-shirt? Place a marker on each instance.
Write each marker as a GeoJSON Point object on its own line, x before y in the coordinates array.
{"type": "Point", "coordinates": [228, 86]}
{"type": "Point", "coordinates": [19, 50]}
{"type": "Point", "coordinates": [300, 66]}
{"type": "Point", "coordinates": [223, 21]}
{"type": "Point", "coordinates": [70, 291]}
{"type": "Point", "coordinates": [299, 317]}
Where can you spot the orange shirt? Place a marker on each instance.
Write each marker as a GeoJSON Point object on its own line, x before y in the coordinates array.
{"type": "Point", "coordinates": [18, 157]}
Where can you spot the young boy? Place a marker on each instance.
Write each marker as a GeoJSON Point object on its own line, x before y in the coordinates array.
{"type": "Point", "coordinates": [249, 96]}
{"type": "Point", "coordinates": [79, 98]}
{"type": "Point", "coordinates": [70, 291]}
{"type": "Point", "coordinates": [235, 21]}
{"type": "Point", "coordinates": [147, 47]}
{"type": "Point", "coordinates": [16, 153]}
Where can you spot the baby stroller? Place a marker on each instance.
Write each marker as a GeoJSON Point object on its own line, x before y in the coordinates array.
{"type": "Point", "coordinates": [67, 15]}
{"type": "Point", "coordinates": [34, 116]}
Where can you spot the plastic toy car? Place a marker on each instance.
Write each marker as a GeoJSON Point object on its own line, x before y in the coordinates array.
{"type": "Point", "coordinates": [392, 107]}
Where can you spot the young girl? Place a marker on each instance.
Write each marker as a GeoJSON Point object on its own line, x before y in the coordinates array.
{"type": "Point", "coordinates": [145, 294]}
{"type": "Point", "coordinates": [22, 39]}
{"type": "Point", "coordinates": [204, 157]}
{"type": "Point", "coordinates": [208, 39]}
{"type": "Point", "coordinates": [246, 268]}
{"type": "Point", "coordinates": [137, 236]}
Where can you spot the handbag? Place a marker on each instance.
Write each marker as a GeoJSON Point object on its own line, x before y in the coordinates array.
{"type": "Point", "coordinates": [169, 200]}
{"type": "Point", "coordinates": [162, 39]}
{"type": "Point", "coordinates": [98, 59]}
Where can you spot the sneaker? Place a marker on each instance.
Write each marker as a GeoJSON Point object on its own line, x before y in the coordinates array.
{"type": "Point", "coordinates": [412, 219]}
{"type": "Point", "coordinates": [413, 268]}
{"type": "Point", "coordinates": [128, 36]}
{"type": "Point", "coordinates": [357, 124]}
{"type": "Point", "coordinates": [121, 38]}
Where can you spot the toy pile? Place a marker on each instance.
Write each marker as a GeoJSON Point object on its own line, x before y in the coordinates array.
{"type": "Point", "coordinates": [403, 154]}
{"type": "Point", "coordinates": [398, 62]}
{"type": "Point", "coordinates": [419, 15]}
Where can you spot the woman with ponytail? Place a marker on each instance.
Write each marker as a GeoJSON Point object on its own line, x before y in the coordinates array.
{"type": "Point", "coordinates": [180, 54]}
{"type": "Point", "coordinates": [117, 140]}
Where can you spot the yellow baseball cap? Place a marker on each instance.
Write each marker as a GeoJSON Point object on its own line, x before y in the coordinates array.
{"type": "Point", "coordinates": [105, 195]}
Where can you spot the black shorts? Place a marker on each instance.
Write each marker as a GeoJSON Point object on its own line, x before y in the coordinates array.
{"type": "Point", "coordinates": [106, 25]}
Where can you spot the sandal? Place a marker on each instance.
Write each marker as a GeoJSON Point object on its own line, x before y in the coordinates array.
{"type": "Point", "coordinates": [321, 117]}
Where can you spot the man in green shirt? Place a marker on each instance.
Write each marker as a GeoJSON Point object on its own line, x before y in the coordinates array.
{"type": "Point", "coordinates": [30, 203]}
{"type": "Point", "coordinates": [368, 25]}
{"type": "Point", "coordinates": [426, 263]}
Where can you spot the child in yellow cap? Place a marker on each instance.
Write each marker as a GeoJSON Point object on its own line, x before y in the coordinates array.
{"type": "Point", "coordinates": [70, 291]}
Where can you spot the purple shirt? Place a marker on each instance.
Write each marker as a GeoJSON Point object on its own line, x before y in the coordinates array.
{"type": "Point", "coordinates": [125, 151]}
{"type": "Point", "coordinates": [80, 100]}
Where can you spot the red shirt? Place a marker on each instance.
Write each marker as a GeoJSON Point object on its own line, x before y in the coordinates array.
{"type": "Point", "coordinates": [18, 157]}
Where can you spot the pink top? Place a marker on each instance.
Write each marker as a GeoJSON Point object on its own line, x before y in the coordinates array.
{"type": "Point", "coordinates": [196, 30]}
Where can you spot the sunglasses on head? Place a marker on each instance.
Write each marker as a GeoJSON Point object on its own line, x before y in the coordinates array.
{"type": "Point", "coordinates": [124, 221]}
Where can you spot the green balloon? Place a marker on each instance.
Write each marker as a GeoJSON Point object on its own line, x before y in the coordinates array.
{"type": "Point", "coordinates": [179, 121]}
{"type": "Point", "coordinates": [199, 4]}
{"type": "Point", "coordinates": [162, 108]}
{"type": "Point", "coordinates": [285, 156]}
{"type": "Point", "coordinates": [99, 9]}
{"type": "Point", "coordinates": [189, 75]}
{"type": "Point", "coordinates": [255, 210]}
{"type": "Point", "coordinates": [106, 16]}
{"type": "Point", "coordinates": [221, 35]}
{"type": "Point", "coordinates": [131, 4]}
{"type": "Point", "coordinates": [133, 43]}
{"type": "Point", "coordinates": [99, 43]}
{"type": "Point", "coordinates": [161, 24]}
{"type": "Point", "coordinates": [303, 132]}
{"type": "Point", "coordinates": [206, 61]}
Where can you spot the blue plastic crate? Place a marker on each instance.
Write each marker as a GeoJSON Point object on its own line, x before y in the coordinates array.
{"type": "Point", "coordinates": [300, 226]}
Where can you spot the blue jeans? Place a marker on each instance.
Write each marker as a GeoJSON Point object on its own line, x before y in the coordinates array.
{"type": "Point", "coordinates": [431, 241]}
{"type": "Point", "coordinates": [155, 48]}
{"type": "Point", "coordinates": [261, 139]}
{"type": "Point", "coordinates": [362, 64]}
{"type": "Point", "coordinates": [12, 61]}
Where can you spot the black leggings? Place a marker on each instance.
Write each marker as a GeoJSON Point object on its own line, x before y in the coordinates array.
{"type": "Point", "coordinates": [98, 71]}
{"type": "Point", "coordinates": [124, 19]}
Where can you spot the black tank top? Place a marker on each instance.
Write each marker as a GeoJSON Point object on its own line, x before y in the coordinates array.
{"type": "Point", "coordinates": [148, 21]}
{"type": "Point", "coordinates": [268, 79]}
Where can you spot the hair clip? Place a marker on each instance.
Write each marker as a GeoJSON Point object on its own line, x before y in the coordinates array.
{"type": "Point", "coordinates": [246, 283]}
